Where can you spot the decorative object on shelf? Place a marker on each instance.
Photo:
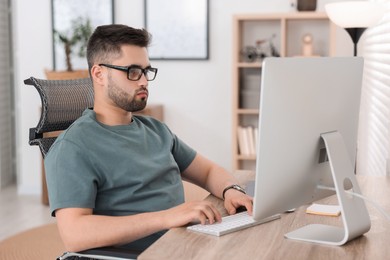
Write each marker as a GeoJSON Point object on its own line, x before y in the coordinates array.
{"type": "Point", "coordinates": [355, 17]}
{"type": "Point", "coordinates": [249, 54]}
{"type": "Point", "coordinates": [274, 51]}
{"type": "Point", "coordinates": [307, 5]}
{"type": "Point", "coordinates": [263, 48]}
{"type": "Point", "coordinates": [307, 45]}
{"type": "Point", "coordinates": [260, 50]}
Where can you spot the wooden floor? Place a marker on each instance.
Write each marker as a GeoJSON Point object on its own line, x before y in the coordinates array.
{"type": "Point", "coordinates": [21, 212]}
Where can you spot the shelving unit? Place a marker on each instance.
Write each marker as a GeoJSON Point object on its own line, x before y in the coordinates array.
{"type": "Point", "coordinates": [286, 31]}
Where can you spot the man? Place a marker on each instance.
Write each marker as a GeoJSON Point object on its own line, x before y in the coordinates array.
{"type": "Point", "coordinates": [115, 178]}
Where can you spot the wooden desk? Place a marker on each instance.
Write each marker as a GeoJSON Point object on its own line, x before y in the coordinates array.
{"type": "Point", "coordinates": [267, 241]}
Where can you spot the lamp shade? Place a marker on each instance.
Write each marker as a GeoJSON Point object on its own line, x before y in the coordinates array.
{"type": "Point", "coordinates": [354, 14]}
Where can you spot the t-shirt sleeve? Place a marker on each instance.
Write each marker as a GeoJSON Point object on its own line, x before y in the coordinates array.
{"type": "Point", "coordinates": [70, 178]}
{"type": "Point", "coordinates": [183, 154]}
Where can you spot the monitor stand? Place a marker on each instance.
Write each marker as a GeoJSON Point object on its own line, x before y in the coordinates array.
{"type": "Point", "coordinates": [354, 214]}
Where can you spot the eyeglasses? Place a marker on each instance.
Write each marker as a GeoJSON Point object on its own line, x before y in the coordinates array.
{"type": "Point", "coordinates": [134, 72]}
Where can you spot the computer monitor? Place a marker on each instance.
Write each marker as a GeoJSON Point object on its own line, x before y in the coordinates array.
{"type": "Point", "coordinates": [308, 122]}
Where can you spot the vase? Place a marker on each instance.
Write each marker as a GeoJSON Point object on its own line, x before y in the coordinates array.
{"type": "Point", "coordinates": [307, 5]}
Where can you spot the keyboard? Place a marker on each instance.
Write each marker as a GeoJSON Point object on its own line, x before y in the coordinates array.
{"type": "Point", "coordinates": [230, 224]}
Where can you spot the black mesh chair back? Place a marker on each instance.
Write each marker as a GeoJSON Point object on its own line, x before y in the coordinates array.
{"type": "Point", "coordinates": [63, 101]}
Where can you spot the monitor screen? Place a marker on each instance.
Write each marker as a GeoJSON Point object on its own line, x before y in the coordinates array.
{"type": "Point", "coordinates": [302, 100]}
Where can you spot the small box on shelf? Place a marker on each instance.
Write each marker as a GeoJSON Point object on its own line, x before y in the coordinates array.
{"type": "Point", "coordinates": [250, 81]}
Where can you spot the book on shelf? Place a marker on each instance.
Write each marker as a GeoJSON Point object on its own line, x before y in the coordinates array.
{"type": "Point", "coordinates": [247, 140]}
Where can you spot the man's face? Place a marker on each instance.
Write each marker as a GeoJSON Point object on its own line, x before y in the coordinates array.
{"type": "Point", "coordinates": [128, 95]}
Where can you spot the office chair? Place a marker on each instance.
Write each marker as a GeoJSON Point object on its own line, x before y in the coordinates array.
{"type": "Point", "coordinates": [63, 101]}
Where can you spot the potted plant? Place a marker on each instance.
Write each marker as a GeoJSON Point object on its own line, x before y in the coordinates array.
{"type": "Point", "coordinates": [74, 41]}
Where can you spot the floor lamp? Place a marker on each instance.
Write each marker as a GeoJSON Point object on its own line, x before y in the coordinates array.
{"type": "Point", "coordinates": [355, 17]}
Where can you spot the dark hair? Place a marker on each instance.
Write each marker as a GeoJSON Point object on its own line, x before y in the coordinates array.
{"type": "Point", "coordinates": [106, 41]}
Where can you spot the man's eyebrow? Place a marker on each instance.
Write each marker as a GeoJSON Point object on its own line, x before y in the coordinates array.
{"type": "Point", "coordinates": [139, 66]}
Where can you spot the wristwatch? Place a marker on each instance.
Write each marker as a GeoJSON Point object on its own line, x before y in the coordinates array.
{"type": "Point", "coordinates": [234, 186]}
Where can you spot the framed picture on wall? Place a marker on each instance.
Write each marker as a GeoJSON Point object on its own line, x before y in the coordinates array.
{"type": "Point", "coordinates": [69, 16]}
{"type": "Point", "coordinates": [180, 29]}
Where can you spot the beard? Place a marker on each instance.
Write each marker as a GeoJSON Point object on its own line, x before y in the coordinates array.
{"type": "Point", "coordinates": [125, 100]}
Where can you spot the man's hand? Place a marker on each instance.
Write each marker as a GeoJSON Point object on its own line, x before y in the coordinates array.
{"type": "Point", "coordinates": [215, 179]}
{"type": "Point", "coordinates": [235, 199]}
{"type": "Point", "coordinates": [195, 211]}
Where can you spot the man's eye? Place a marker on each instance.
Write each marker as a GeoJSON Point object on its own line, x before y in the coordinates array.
{"type": "Point", "coordinates": [134, 72]}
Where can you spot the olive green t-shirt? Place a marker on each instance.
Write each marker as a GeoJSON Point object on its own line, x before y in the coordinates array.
{"type": "Point", "coordinates": [117, 170]}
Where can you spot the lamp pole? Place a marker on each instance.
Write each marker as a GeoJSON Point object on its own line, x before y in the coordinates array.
{"type": "Point", "coordinates": [355, 34]}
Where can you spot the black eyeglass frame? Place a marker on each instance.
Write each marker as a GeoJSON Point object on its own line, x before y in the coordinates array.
{"type": "Point", "coordinates": [128, 68]}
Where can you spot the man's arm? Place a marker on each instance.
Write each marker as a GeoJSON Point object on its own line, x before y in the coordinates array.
{"type": "Point", "coordinates": [81, 230]}
{"type": "Point", "coordinates": [215, 179]}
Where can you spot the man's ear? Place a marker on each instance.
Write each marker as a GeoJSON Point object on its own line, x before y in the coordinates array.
{"type": "Point", "coordinates": [98, 75]}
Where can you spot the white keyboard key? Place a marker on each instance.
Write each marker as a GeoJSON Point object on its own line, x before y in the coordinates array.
{"type": "Point", "coordinates": [230, 224]}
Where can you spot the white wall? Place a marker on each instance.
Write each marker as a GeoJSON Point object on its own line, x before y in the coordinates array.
{"type": "Point", "coordinates": [32, 53]}
{"type": "Point", "coordinates": [196, 94]}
